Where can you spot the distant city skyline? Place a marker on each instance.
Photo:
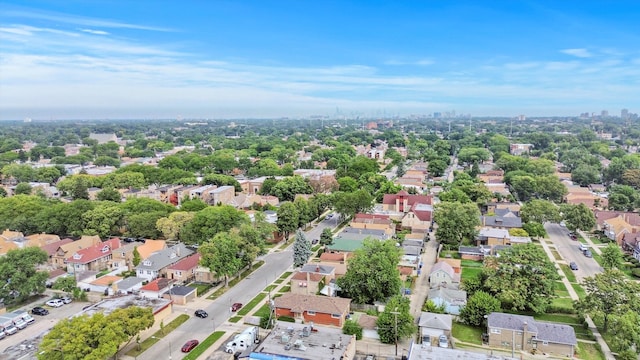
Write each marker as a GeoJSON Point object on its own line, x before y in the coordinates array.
{"type": "Point", "coordinates": [264, 59]}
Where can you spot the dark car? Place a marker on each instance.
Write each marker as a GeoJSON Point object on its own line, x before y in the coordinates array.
{"type": "Point", "coordinates": [189, 345]}
{"type": "Point", "coordinates": [588, 254]}
{"type": "Point", "coordinates": [314, 241]}
{"type": "Point", "coordinates": [236, 306]}
{"type": "Point", "coordinates": [573, 266]}
{"type": "Point", "coordinates": [201, 313]}
{"type": "Point", "coordinates": [39, 311]}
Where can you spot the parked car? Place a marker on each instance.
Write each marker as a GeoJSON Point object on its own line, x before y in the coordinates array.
{"type": "Point", "coordinates": [55, 303]}
{"type": "Point", "coordinates": [39, 310]}
{"type": "Point", "coordinates": [66, 299]}
{"type": "Point", "coordinates": [314, 241]}
{"type": "Point", "coordinates": [189, 345]}
{"type": "Point", "coordinates": [10, 330]}
{"type": "Point", "coordinates": [573, 266]}
{"type": "Point", "coordinates": [443, 342]}
{"type": "Point", "coordinates": [588, 253]}
{"type": "Point", "coordinates": [201, 313]}
{"type": "Point", "coordinates": [2, 334]}
{"type": "Point", "coordinates": [236, 306]}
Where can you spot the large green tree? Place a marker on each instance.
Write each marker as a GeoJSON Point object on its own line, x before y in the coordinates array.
{"type": "Point", "coordinates": [20, 275]}
{"type": "Point", "coordinates": [172, 225]}
{"type": "Point", "coordinates": [220, 255]}
{"type": "Point", "coordinates": [301, 249]}
{"type": "Point", "coordinates": [540, 211]}
{"type": "Point", "coordinates": [396, 323]}
{"type": "Point", "coordinates": [456, 222]}
{"type": "Point", "coordinates": [94, 337]}
{"type": "Point", "coordinates": [348, 204]}
{"type": "Point", "coordinates": [478, 306]}
{"type": "Point", "coordinates": [612, 257]}
{"type": "Point", "coordinates": [372, 274]}
{"type": "Point", "coordinates": [578, 217]}
{"type": "Point", "coordinates": [288, 219]}
{"type": "Point", "coordinates": [522, 278]}
{"type": "Point", "coordinates": [210, 221]}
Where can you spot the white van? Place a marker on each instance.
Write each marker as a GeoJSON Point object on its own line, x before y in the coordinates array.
{"type": "Point", "coordinates": [583, 247]}
{"type": "Point", "coordinates": [25, 316]}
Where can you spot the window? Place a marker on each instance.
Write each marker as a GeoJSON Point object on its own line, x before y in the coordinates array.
{"type": "Point", "coordinates": [178, 273]}
{"type": "Point", "coordinates": [302, 284]}
{"type": "Point", "coordinates": [311, 313]}
{"type": "Point", "coordinates": [495, 331]}
{"type": "Point", "coordinates": [336, 316]}
{"type": "Point", "coordinates": [545, 343]}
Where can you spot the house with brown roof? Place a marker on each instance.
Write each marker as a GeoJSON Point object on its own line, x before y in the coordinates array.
{"type": "Point", "coordinates": [6, 246]}
{"type": "Point", "coordinates": [150, 247]}
{"type": "Point", "coordinates": [51, 248]}
{"type": "Point", "coordinates": [68, 249]}
{"type": "Point", "coordinates": [374, 221]}
{"type": "Point", "coordinates": [492, 176]}
{"type": "Point", "coordinates": [323, 310]}
{"type": "Point", "coordinates": [184, 270]}
{"type": "Point", "coordinates": [312, 279]}
{"type": "Point", "coordinates": [155, 288]}
{"type": "Point", "coordinates": [631, 243]}
{"type": "Point", "coordinates": [42, 239]}
{"type": "Point", "coordinates": [403, 201]}
{"type": "Point", "coordinates": [418, 218]}
{"type": "Point", "coordinates": [94, 258]}
{"type": "Point", "coordinates": [581, 195]}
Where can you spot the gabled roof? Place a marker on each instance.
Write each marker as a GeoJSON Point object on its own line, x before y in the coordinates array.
{"type": "Point", "coordinates": [390, 199]}
{"type": "Point", "coordinates": [188, 263]}
{"type": "Point", "coordinates": [41, 240]}
{"type": "Point", "coordinates": [442, 266]}
{"type": "Point", "coordinates": [368, 322]}
{"type": "Point", "coordinates": [299, 303]}
{"type": "Point", "coordinates": [156, 285]}
{"type": "Point", "coordinates": [82, 243]}
{"type": "Point", "coordinates": [300, 275]}
{"type": "Point", "coordinates": [51, 249]}
{"type": "Point", "coordinates": [151, 246]}
{"type": "Point", "coordinates": [545, 331]}
{"type": "Point", "coordinates": [165, 257]}
{"type": "Point", "coordinates": [451, 296]}
{"type": "Point", "coordinates": [90, 254]}
{"type": "Point", "coordinates": [435, 321]}
{"type": "Point", "coordinates": [106, 280]}
{"type": "Point", "coordinates": [318, 269]}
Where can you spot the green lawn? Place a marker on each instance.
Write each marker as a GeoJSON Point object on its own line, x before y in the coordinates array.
{"type": "Point", "coordinates": [559, 318]}
{"type": "Point", "coordinates": [467, 333]}
{"type": "Point", "coordinates": [471, 263]}
{"type": "Point", "coordinates": [588, 351]}
{"type": "Point", "coordinates": [568, 273]}
{"type": "Point", "coordinates": [560, 289]}
{"type": "Point", "coordinates": [269, 288]}
{"type": "Point", "coordinates": [204, 345]}
{"type": "Point", "coordinates": [579, 290]}
{"type": "Point", "coordinates": [468, 273]}
{"type": "Point", "coordinates": [582, 333]}
{"type": "Point", "coordinates": [158, 335]}
{"type": "Point", "coordinates": [556, 255]}
{"type": "Point", "coordinates": [251, 304]}
{"type": "Point", "coordinates": [565, 303]}
{"type": "Point", "coordinates": [263, 311]}
{"type": "Point", "coordinates": [285, 289]}
{"type": "Point", "coordinates": [201, 288]}
{"type": "Point", "coordinates": [235, 319]}
{"type": "Point", "coordinates": [285, 275]}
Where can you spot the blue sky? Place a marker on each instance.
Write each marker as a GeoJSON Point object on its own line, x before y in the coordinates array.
{"type": "Point", "coordinates": [227, 59]}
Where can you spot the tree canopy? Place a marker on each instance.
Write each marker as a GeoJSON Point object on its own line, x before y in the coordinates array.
{"type": "Point", "coordinates": [456, 222]}
{"type": "Point", "coordinates": [21, 279]}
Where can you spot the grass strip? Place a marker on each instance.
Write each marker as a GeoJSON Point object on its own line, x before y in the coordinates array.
{"type": "Point", "coordinates": [251, 304]}
{"type": "Point", "coordinates": [158, 335]}
{"type": "Point", "coordinates": [204, 345]}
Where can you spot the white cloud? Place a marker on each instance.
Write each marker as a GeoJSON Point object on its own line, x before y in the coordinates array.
{"type": "Point", "coordinates": [581, 53]}
{"type": "Point", "coordinates": [421, 62]}
{"type": "Point", "coordinates": [95, 32]}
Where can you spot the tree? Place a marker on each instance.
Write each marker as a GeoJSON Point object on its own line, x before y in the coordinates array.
{"type": "Point", "coordinates": [23, 188]}
{"type": "Point", "coordinates": [288, 219]}
{"type": "Point", "coordinates": [210, 221]}
{"type": "Point", "coordinates": [351, 327]}
{"type": "Point", "coordinates": [287, 188]}
{"type": "Point", "coordinates": [220, 255]}
{"type": "Point", "coordinates": [144, 224]}
{"type": "Point", "coordinates": [437, 167]}
{"type": "Point", "coordinates": [524, 187]}
{"type": "Point", "coordinates": [109, 194]}
{"type": "Point", "coordinates": [136, 257]}
{"type": "Point", "coordinates": [540, 211]}
{"type": "Point", "coordinates": [193, 205]}
{"type": "Point", "coordinates": [430, 306]}
{"type": "Point", "coordinates": [104, 220]}
{"type": "Point", "coordinates": [473, 155]}
{"type": "Point", "coordinates": [521, 278]}
{"type": "Point", "coordinates": [585, 174]}
{"type": "Point", "coordinates": [94, 337]}
{"type": "Point", "coordinates": [326, 237]}
{"type": "Point", "coordinates": [535, 229]}
{"type": "Point", "coordinates": [19, 274]}
{"type": "Point", "coordinates": [65, 283]}
{"type": "Point", "coordinates": [301, 249]}
{"type": "Point", "coordinates": [631, 177]}
{"type": "Point", "coordinates": [578, 217]}
{"type": "Point", "coordinates": [172, 225]}
{"type": "Point", "coordinates": [478, 306]}
{"type": "Point", "coordinates": [612, 257]}
{"type": "Point", "coordinates": [372, 274]}
{"type": "Point", "coordinates": [395, 322]}
{"type": "Point", "coordinates": [456, 222]}
{"type": "Point", "coordinates": [349, 204]}
{"type": "Point", "coordinates": [609, 293]}
{"type": "Point", "coordinates": [550, 188]}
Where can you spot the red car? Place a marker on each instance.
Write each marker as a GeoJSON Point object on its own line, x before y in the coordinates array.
{"type": "Point", "coordinates": [189, 345]}
{"type": "Point", "coordinates": [236, 306]}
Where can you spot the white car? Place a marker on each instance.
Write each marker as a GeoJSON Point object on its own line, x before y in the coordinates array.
{"type": "Point", "coordinates": [55, 303]}
{"type": "Point", "coordinates": [443, 342]}
{"type": "Point", "coordinates": [66, 300]}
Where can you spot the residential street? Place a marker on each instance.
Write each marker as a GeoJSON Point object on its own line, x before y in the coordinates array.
{"type": "Point", "coordinates": [275, 263]}
{"type": "Point", "coordinates": [569, 251]}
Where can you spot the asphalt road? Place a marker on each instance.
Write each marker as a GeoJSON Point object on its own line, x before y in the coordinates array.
{"type": "Point", "coordinates": [219, 310]}
{"type": "Point", "coordinates": [569, 250]}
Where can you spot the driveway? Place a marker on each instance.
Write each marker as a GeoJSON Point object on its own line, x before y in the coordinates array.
{"type": "Point", "coordinates": [219, 310]}
{"type": "Point", "coordinates": [569, 251]}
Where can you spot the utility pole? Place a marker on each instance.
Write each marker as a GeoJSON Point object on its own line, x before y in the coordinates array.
{"type": "Point", "coordinates": [395, 313]}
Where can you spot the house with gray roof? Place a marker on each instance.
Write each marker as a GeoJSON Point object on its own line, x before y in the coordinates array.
{"type": "Point", "coordinates": [524, 333]}
{"type": "Point", "coordinates": [508, 220]}
{"type": "Point", "coordinates": [489, 236]}
{"type": "Point", "coordinates": [452, 300]}
{"type": "Point", "coordinates": [156, 265]}
{"type": "Point", "coordinates": [353, 233]}
{"type": "Point", "coordinates": [433, 325]}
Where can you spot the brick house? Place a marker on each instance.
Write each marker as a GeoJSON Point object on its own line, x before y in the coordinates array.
{"type": "Point", "coordinates": [321, 310]}
{"type": "Point", "coordinates": [524, 333]}
{"type": "Point", "coordinates": [65, 250]}
{"type": "Point", "coordinates": [184, 270]}
{"type": "Point", "coordinates": [94, 258]}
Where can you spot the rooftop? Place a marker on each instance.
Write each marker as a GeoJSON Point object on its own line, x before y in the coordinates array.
{"type": "Point", "coordinates": [323, 344]}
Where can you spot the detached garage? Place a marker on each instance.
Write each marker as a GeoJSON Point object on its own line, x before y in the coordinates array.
{"type": "Point", "coordinates": [181, 294]}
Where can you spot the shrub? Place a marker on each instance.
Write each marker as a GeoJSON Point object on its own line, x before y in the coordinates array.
{"type": "Point", "coordinates": [636, 272]}
{"type": "Point", "coordinates": [287, 319]}
{"type": "Point", "coordinates": [352, 328]}
{"type": "Point", "coordinates": [264, 321]}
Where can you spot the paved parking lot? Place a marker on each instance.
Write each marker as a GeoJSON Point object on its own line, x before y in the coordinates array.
{"type": "Point", "coordinates": [10, 346]}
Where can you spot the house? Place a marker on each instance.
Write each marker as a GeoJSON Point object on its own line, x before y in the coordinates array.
{"type": "Point", "coordinates": [303, 342]}
{"type": "Point", "coordinates": [369, 326]}
{"type": "Point", "coordinates": [498, 188]}
{"type": "Point", "coordinates": [374, 221]}
{"type": "Point", "coordinates": [155, 289]}
{"type": "Point", "coordinates": [418, 218]}
{"type": "Point", "coordinates": [503, 219]}
{"type": "Point", "coordinates": [94, 258]}
{"type": "Point", "coordinates": [313, 279]}
{"type": "Point", "coordinates": [615, 224]}
{"type": "Point", "coordinates": [181, 295]}
{"type": "Point", "coordinates": [403, 201]}
{"type": "Point", "coordinates": [222, 195]}
{"type": "Point", "coordinates": [122, 258]}
{"type": "Point", "coordinates": [66, 250]}
{"type": "Point", "coordinates": [495, 207]}
{"type": "Point", "coordinates": [492, 237]}
{"type": "Point", "coordinates": [184, 270]}
{"type": "Point", "coordinates": [492, 176]}
{"type": "Point", "coordinates": [433, 325]}
{"type": "Point", "coordinates": [204, 275]}
{"type": "Point", "coordinates": [103, 284]}
{"type": "Point", "coordinates": [520, 149]}
{"type": "Point", "coordinates": [156, 265]}
{"type": "Point", "coordinates": [149, 247]}
{"type": "Point", "coordinates": [50, 249]}
{"type": "Point", "coordinates": [524, 333]}
{"type": "Point", "coordinates": [631, 244]}
{"type": "Point", "coordinates": [351, 233]}
{"type": "Point", "coordinates": [475, 253]}
{"type": "Point", "coordinates": [452, 300]}
{"type": "Point", "coordinates": [161, 308]}
{"type": "Point", "coordinates": [321, 310]}
{"type": "Point", "coordinates": [128, 285]}
{"type": "Point", "coordinates": [442, 274]}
